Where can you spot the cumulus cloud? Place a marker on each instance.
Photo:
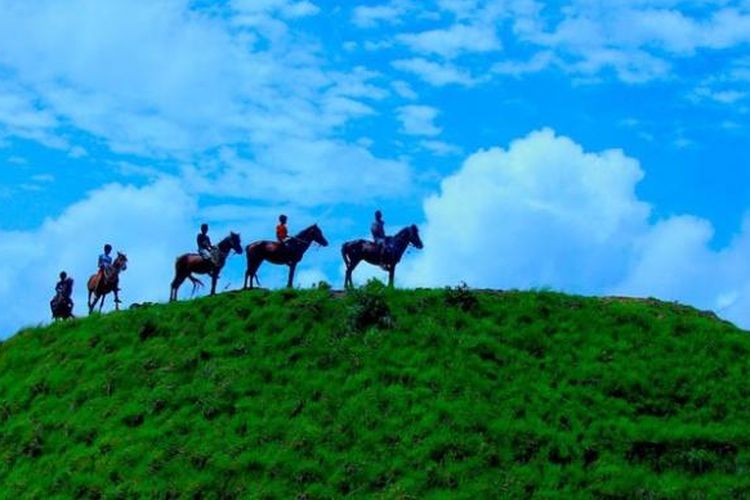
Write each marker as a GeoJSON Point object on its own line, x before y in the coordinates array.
{"type": "Point", "coordinates": [418, 120]}
{"type": "Point", "coordinates": [637, 41]}
{"type": "Point", "coordinates": [454, 40]}
{"type": "Point", "coordinates": [434, 73]}
{"type": "Point", "coordinates": [169, 81]}
{"type": "Point", "coordinates": [546, 213]}
{"type": "Point", "coordinates": [369, 16]}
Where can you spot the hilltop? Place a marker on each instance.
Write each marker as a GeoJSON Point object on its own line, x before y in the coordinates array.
{"type": "Point", "coordinates": [378, 392]}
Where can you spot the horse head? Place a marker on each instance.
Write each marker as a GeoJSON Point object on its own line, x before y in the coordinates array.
{"type": "Point", "coordinates": [317, 236]}
{"type": "Point", "coordinates": [234, 238]}
{"type": "Point", "coordinates": [121, 262]}
{"type": "Point", "coordinates": [414, 238]}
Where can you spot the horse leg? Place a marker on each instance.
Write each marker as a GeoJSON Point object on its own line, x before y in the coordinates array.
{"type": "Point", "coordinates": [196, 283]}
{"type": "Point", "coordinates": [179, 278]}
{"type": "Point", "coordinates": [391, 274]}
{"type": "Point", "coordinates": [214, 279]}
{"type": "Point", "coordinates": [348, 281]}
{"type": "Point", "coordinates": [252, 270]}
{"type": "Point", "coordinates": [290, 282]}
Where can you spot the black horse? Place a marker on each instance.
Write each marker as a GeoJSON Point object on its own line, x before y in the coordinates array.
{"type": "Point", "coordinates": [61, 307]}
{"type": "Point", "coordinates": [190, 263]}
{"type": "Point", "coordinates": [289, 253]}
{"type": "Point", "coordinates": [356, 251]}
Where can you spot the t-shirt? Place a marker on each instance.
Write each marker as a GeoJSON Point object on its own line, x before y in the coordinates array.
{"type": "Point", "coordinates": [204, 242]}
{"type": "Point", "coordinates": [281, 232]}
{"type": "Point", "coordinates": [105, 260]}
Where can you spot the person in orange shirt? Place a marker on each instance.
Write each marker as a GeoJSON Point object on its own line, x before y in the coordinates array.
{"type": "Point", "coordinates": [282, 233]}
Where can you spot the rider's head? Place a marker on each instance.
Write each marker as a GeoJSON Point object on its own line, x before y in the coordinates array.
{"type": "Point", "coordinates": [282, 218]}
{"type": "Point", "coordinates": [107, 248]}
{"type": "Point", "coordinates": [378, 215]}
{"type": "Point", "coordinates": [63, 275]}
{"type": "Point", "coordinates": [204, 228]}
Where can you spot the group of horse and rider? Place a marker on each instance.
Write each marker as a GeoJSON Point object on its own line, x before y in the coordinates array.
{"type": "Point", "coordinates": [384, 251]}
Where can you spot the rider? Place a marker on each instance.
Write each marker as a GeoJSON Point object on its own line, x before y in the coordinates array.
{"type": "Point", "coordinates": [205, 249]}
{"type": "Point", "coordinates": [378, 228]}
{"type": "Point", "coordinates": [63, 290]}
{"type": "Point", "coordinates": [282, 233]}
{"type": "Point", "coordinates": [105, 261]}
{"type": "Point", "coordinates": [378, 234]}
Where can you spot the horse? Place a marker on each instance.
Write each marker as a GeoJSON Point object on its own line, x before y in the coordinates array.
{"type": "Point", "coordinates": [61, 307]}
{"type": "Point", "coordinates": [99, 286]}
{"type": "Point", "coordinates": [353, 252]}
{"type": "Point", "coordinates": [290, 253]}
{"type": "Point", "coordinates": [187, 264]}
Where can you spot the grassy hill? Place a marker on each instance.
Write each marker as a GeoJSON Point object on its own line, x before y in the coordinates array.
{"type": "Point", "coordinates": [311, 394]}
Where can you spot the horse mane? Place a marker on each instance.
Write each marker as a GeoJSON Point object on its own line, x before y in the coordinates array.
{"type": "Point", "coordinates": [308, 228]}
{"type": "Point", "coordinates": [403, 231]}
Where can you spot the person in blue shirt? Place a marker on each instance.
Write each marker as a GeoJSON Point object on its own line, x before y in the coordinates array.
{"type": "Point", "coordinates": [105, 261]}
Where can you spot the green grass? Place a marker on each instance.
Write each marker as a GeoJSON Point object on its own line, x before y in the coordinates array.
{"type": "Point", "coordinates": [393, 394]}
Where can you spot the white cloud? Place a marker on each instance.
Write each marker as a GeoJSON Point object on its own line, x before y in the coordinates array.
{"type": "Point", "coordinates": [152, 225]}
{"type": "Point", "coordinates": [160, 80]}
{"type": "Point", "coordinates": [546, 213]}
{"type": "Point", "coordinates": [538, 62]}
{"type": "Point", "coordinates": [418, 120]}
{"type": "Point", "coordinates": [341, 172]}
{"type": "Point", "coordinates": [437, 74]}
{"type": "Point", "coordinates": [638, 41]}
{"type": "Point", "coordinates": [440, 148]}
{"type": "Point", "coordinates": [453, 41]}
{"type": "Point", "coordinates": [403, 89]}
{"type": "Point", "coordinates": [366, 16]}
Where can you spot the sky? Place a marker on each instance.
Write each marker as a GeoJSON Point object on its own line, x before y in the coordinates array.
{"type": "Point", "coordinates": [586, 146]}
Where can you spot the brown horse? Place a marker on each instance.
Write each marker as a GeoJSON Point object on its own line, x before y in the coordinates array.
{"type": "Point", "coordinates": [99, 286]}
{"type": "Point", "coordinates": [356, 251]}
{"type": "Point", "coordinates": [288, 253]}
{"type": "Point", "coordinates": [190, 263]}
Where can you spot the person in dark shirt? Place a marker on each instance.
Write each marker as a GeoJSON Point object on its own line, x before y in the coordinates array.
{"type": "Point", "coordinates": [205, 248]}
{"type": "Point", "coordinates": [378, 228]}
{"type": "Point", "coordinates": [63, 293]}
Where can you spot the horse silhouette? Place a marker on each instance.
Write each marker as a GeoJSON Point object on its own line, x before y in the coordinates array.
{"type": "Point", "coordinates": [288, 253]}
{"type": "Point", "coordinates": [99, 286]}
{"type": "Point", "coordinates": [354, 252]}
{"type": "Point", "coordinates": [190, 263]}
{"type": "Point", "coordinates": [61, 308]}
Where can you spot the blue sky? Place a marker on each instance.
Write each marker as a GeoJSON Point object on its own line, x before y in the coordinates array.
{"type": "Point", "coordinates": [587, 146]}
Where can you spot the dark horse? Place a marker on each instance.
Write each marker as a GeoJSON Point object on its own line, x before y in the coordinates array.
{"type": "Point", "coordinates": [356, 251]}
{"type": "Point", "coordinates": [99, 288]}
{"type": "Point", "coordinates": [289, 253]}
{"type": "Point", "coordinates": [190, 263]}
{"type": "Point", "coordinates": [61, 307]}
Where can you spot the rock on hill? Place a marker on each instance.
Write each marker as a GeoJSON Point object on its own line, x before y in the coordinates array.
{"type": "Point", "coordinates": [377, 392]}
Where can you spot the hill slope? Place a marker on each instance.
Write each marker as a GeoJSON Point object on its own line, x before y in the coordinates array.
{"type": "Point", "coordinates": [378, 392]}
